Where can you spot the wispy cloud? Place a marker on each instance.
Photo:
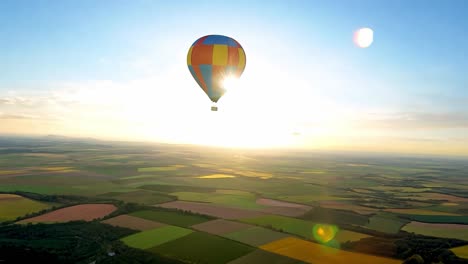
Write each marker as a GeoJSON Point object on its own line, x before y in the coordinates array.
{"type": "Point", "coordinates": [410, 120]}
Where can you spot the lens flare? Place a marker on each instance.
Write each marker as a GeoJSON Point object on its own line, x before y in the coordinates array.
{"type": "Point", "coordinates": [230, 82]}
{"type": "Point", "coordinates": [324, 233]}
{"type": "Point", "coordinates": [363, 37]}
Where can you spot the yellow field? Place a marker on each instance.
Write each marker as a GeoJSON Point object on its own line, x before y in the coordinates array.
{"type": "Point", "coordinates": [345, 235]}
{"type": "Point", "coordinates": [314, 253]}
{"type": "Point", "coordinates": [215, 176]}
{"type": "Point", "coordinates": [461, 252]}
{"type": "Point", "coordinates": [12, 206]}
{"type": "Point", "coordinates": [418, 212]}
{"type": "Point", "coordinates": [313, 172]}
{"type": "Point", "coordinates": [7, 172]}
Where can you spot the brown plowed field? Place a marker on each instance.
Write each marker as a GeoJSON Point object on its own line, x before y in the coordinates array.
{"type": "Point", "coordinates": [220, 227]}
{"type": "Point", "coordinates": [87, 212]}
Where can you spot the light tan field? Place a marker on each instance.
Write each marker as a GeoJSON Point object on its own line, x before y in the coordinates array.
{"type": "Point", "coordinates": [86, 212]}
{"type": "Point", "coordinates": [132, 222]}
{"type": "Point", "coordinates": [315, 253]}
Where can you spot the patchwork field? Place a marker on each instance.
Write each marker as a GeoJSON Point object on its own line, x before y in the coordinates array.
{"type": "Point", "coordinates": [13, 206]}
{"type": "Point", "coordinates": [201, 247]}
{"type": "Point", "coordinates": [171, 218]}
{"type": "Point", "coordinates": [386, 223]}
{"type": "Point", "coordinates": [140, 196]}
{"type": "Point", "coordinates": [86, 212]}
{"type": "Point", "coordinates": [343, 205]}
{"type": "Point", "coordinates": [272, 195]}
{"type": "Point", "coordinates": [240, 200]}
{"type": "Point", "coordinates": [314, 253]}
{"type": "Point", "coordinates": [213, 210]}
{"type": "Point", "coordinates": [255, 236]}
{"type": "Point", "coordinates": [438, 230]}
{"type": "Point", "coordinates": [287, 224]}
{"type": "Point", "coordinates": [154, 237]}
{"type": "Point", "coordinates": [132, 222]}
{"type": "Point", "coordinates": [448, 219]}
{"type": "Point", "coordinates": [262, 256]}
{"type": "Point", "coordinates": [220, 227]}
{"type": "Point", "coordinates": [418, 212]}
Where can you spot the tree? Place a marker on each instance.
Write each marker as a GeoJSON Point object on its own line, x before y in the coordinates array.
{"type": "Point", "coordinates": [415, 259]}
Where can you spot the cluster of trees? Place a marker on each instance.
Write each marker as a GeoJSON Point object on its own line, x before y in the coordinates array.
{"type": "Point", "coordinates": [72, 242]}
{"type": "Point", "coordinates": [414, 249]}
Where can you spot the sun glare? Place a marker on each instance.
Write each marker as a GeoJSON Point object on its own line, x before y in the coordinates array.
{"type": "Point", "coordinates": [230, 82]}
{"type": "Point", "coordinates": [363, 37]}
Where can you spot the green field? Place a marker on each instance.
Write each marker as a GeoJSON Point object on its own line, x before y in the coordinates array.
{"type": "Point", "coordinates": [171, 218]}
{"type": "Point", "coordinates": [239, 200]}
{"type": "Point", "coordinates": [155, 237]}
{"type": "Point", "coordinates": [201, 247]}
{"type": "Point", "coordinates": [386, 223]}
{"type": "Point", "coordinates": [15, 206]}
{"type": "Point", "coordinates": [140, 196]}
{"type": "Point", "coordinates": [287, 224]}
{"type": "Point", "coordinates": [352, 192]}
{"type": "Point", "coordinates": [255, 236]}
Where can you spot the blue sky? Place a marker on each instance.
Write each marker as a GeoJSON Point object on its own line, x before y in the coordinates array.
{"type": "Point", "coordinates": [416, 65]}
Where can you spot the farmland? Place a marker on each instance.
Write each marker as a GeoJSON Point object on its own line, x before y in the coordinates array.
{"type": "Point", "coordinates": [438, 230]}
{"type": "Point", "coordinates": [249, 204]}
{"type": "Point", "coordinates": [262, 256]}
{"type": "Point", "coordinates": [13, 206]}
{"type": "Point", "coordinates": [203, 248]}
{"type": "Point", "coordinates": [314, 253]}
{"type": "Point", "coordinates": [132, 222]}
{"type": "Point", "coordinates": [172, 218]}
{"type": "Point", "coordinates": [462, 251]}
{"type": "Point", "coordinates": [255, 236]}
{"type": "Point", "coordinates": [86, 212]}
{"type": "Point", "coordinates": [151, 238]}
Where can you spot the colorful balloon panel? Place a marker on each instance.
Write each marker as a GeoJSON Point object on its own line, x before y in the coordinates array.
{"type": "Point", "coordinates": [213, 58]}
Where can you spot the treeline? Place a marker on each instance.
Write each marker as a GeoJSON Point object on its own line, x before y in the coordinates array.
{"type": "Point", "coordinates": [72, 242]}
{"type": "Point", "coordinates": [412, 248]}
{"type": "Point", "coordinates": [70, 200]}
{"type": "Point", "coordinates": [61, 201]}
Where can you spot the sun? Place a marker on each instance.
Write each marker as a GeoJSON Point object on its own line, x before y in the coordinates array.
{"type": "Point", "coordinates": [363, 37]}
{"type": "Point", "coordinates": [230, 82]}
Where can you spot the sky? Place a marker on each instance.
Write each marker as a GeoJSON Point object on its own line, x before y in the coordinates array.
{"type": "Point", "coordinates": [116, 69]}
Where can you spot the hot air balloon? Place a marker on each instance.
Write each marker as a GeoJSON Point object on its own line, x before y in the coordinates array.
{"type": "Point", "coordinates": [212, 60]}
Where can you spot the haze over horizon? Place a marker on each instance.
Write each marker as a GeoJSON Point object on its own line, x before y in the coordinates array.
{"type": "Point", "coordinates": [117, 70]}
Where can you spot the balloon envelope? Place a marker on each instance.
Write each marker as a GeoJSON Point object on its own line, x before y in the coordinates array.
{"type": "Point", "coordinates": [212, 59]}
